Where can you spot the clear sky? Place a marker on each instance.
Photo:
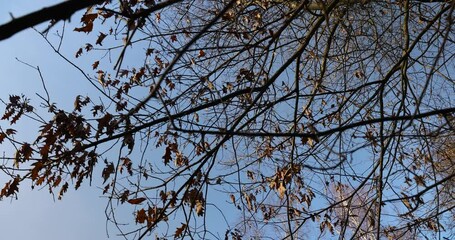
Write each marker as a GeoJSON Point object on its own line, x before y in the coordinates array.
{"type": "Point", "coordinates": [80, 215]}
{"type": "Point", "coordinates": [35, 215]}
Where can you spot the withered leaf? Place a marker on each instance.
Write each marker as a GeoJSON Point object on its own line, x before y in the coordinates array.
{"type": "Point", "coordinates": [88, 47]}
{"type": "Point", "coordinates": [141, 216]}
{"type": "Point", "coordinates": [167, 155]}
{"type": "Point", "coordinates": [124, 196]}
{"type": "Point", "coordinates": [78, 103]}
{"type": "Point", "coordinates": [179, 231]}
{"type": "Point", "coordinates": [136, 200]}
{"type": "Point", "coordinates": [89, 17]}
{"type": "Point", "coordinates": [123, 73]}
{"type": "Point", "coordinates": [128, 141]}
{"type": "Point", "coordinates": [107, 171]}
{"type": "Point", "coordinates": [101, 77]}
{"type": "Point", "coordinates": [40, 180]}
{"type": "Point", "coordinates": [170, 84]}
{"type": "Point", "coordinates": [17, 159]}
{"type": "Point", "coordinates": [79, 53]}
{"type": "Point", "coordinates": [199, 208]}
{"type": "Point", "coordinates": [2, 136]}
{"type": "Point", "coordinates": [63, 190]}
{"type": "Point", "coordinates": [149, 51]}
{"type": "Point", "coordinates": [173, 200]}
{"type": "Point", "coordinates": [57, 181]}
{"type": "Point", "coordinates": [282, 190]}
{"type": "Point", "coordinates": [420, 180]}
{"type": "Point", "coordinates": [137, 76]}
{"type": "Point", "coordinates": [95, 65]}
{"type": "Point", "coordinates": [106, 188]}
{"type": "Point", "coordinates": [201, 53]}
{"type": "Point", "coordinates": [163, 196]}
{"type": "Point", "coordinates": [128, 164]}
{"type": "Point", "coordinates": [100, 39]}
{"type": "Point", "coordinates": [329, 226]}
{"type": "Point", "coordinates": [232, 198]}
{"type": "Point", "coordinates": [11, 187]}
{"type": "Point", "coordinates": [88, 27]}
{"type": "Point", "coordinates": [26, 151]}
{"type": "Point", "coordinates": [37, 166]}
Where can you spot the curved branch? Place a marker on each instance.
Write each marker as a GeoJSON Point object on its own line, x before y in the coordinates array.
{"type": "Point", "coordinates": [57, 12]}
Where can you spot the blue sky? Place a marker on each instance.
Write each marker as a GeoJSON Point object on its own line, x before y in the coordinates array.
{"type": "Point", "coordinates": [35, 215]}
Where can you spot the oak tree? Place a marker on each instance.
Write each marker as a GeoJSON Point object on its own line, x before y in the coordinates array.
{"type": "Point", "coordinates": [266, 116]}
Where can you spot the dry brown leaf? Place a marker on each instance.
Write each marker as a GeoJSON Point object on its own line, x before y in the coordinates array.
{"type": "Point", "coordinates": [179, 231]}
{"type": "Point", "coordinates": [136, 200]}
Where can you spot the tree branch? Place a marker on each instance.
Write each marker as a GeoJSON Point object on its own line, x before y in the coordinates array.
{"type": "Point", "coordinates": [57, 12]}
